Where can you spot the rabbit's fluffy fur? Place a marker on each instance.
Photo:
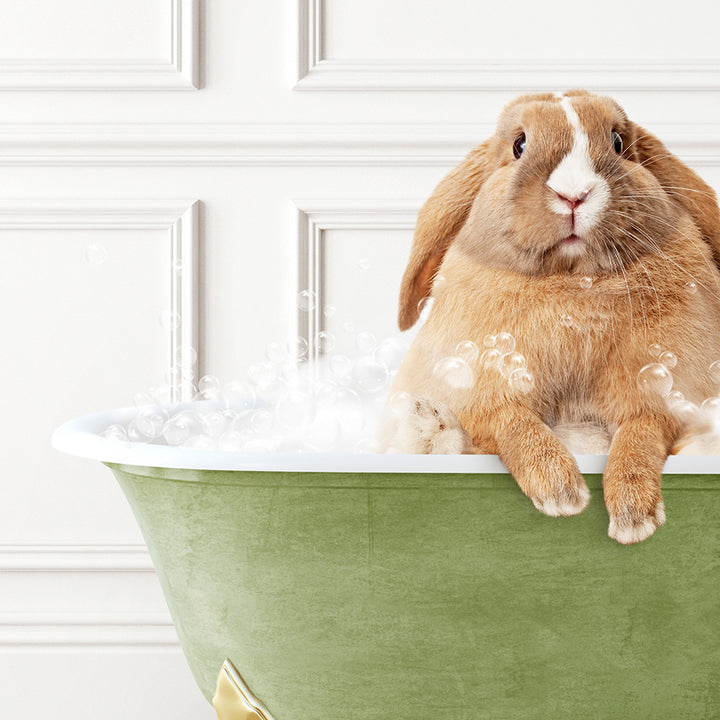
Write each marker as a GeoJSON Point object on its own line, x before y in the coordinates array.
{"type": "Point", "coordinates": [567, 187]}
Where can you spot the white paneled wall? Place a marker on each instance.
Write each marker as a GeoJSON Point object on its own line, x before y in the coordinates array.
{"type": "Point", "coordinates": [213, 158]}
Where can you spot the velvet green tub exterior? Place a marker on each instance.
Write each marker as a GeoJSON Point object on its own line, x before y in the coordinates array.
{"type": "Point", "coordinates": [366, 596]}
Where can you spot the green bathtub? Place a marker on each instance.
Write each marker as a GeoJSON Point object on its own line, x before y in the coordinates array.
{"type": "Point", "coordinates": [365, 587]}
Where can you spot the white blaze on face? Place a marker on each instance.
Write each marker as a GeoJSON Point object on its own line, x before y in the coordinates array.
{"type": "Point", "coordinates": [575, 178]}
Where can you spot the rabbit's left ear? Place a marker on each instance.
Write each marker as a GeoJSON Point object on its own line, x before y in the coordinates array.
{"type": "Point", "coordinates": [682, 184]}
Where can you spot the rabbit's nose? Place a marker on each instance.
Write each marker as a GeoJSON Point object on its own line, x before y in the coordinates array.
{"type": "Point", "coordinates": [573, 202]}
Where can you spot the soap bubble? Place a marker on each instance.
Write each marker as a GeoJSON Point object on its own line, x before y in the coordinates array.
{"type": "Point", "coordinates": [711, 406]}
{"type": "Point", "coordinates": [179, 428]}
{"type": "Point", "coordinates": [95, 253]}
{"type": "Point", "coordinates": [216, 422]}
{"type": "Point", "coordinates": [135, 434]}
{"type": "Point", "coordinates": [306, 300]}
{"type": "Point", "coordinates": [364, 263]}
{"type": "Point", "coordinates": [325, 392]}
{"type": "Point", "coordinates": [654, 350]}
{"type": "Point", "coordinates": [369, 375]}
{"type": "Point", "coordinates": [425, 305]}
{"type": "Point", "coordinates": [262, 373]}
{"type": "Point", "coordinates": [209, 387]}
{"type": "Point", "coordinates": [714, 370]}
{"type": "Point", "coordinates": [510, 362]}
{"type": "Point", "coordinates": [350, 408]}
{"type": "Point", "coordinates": [690, 288]}
{"type": "Point", "coordinates": [341, 367]}
{"type": "Point", "coordinates": [675, 399]}
{"type": "Point", "coordinates": [324, 342]}
{"type": "Point", "coordinates": [566, 320]}
{"type": "Point", "coordinates": [366, 342]}
{"type": "Point", "coordinates": [505, 343]}
{"type": "Point", "coordinates": [468, 351]}
{"type": "Point", "coordinates": [329, 311]}
{"type": "Point", "coordinates": [297, 347]}
{"type": "Point", "coordinates": [115, 432]}
{"type": "Point", "coordinates": [150, 420]}
{"type": "Point", "coordinates": [276, 352]}
{"type": "Point", "coordinates": [586, 282]}
{"type": "Point", "coordinates": [522, 381]}
{"type": "Point", "coordinates": [490, 341]}
{"type": "Point", "coordinates": [453, 371]}
{"type": "Point", "coordinates": [391, 353]}
{"type": "Point", "coordinates": [491, 358]}
{"type": "Point", "coordinates": [655, 378]}
{"type": "Point", "coordinates": [668, 359]}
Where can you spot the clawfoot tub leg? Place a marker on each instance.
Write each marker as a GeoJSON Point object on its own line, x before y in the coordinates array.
{"type": "Point", "coordinates": [233, 699]}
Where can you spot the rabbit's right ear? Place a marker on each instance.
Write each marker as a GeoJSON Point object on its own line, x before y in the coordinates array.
{"type": "Point", "coordinates": [439, 221]}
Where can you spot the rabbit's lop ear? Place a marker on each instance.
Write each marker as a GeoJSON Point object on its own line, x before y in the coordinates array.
{"type": "Point", "coordinates": [682, 184]}
{"type": "Point", "coordinates": [439, 221]}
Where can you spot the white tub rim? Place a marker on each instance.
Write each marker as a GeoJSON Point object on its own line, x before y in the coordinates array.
{"type": "Point", "coordinates": [82, 437]}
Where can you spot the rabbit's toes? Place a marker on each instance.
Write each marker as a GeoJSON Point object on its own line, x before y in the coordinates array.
{"type": "Point", "coordinates": [566, 500]}
{"type": "Point", "coordinates": [416, 425]}
{"type": "Point", "coordinates": [630, 526]}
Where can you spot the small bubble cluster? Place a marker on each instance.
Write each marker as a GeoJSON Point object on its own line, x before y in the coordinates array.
{"type": "Point", "coordinates": [500, 355]}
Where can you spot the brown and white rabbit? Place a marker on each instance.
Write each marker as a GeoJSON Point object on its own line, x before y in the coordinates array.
{"type": "Point", "coordinates": [577, 233]}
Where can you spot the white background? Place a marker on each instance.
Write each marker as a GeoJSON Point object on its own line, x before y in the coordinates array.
{"type": "Point", "coordinates": [236, 130]}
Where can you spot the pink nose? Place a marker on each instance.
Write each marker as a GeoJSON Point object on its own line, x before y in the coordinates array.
{"type": "Point", "coordinates": [573, 202]}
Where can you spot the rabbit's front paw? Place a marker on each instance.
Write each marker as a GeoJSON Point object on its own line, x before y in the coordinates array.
{"type": "Point", "coordinates": [417, 425]}
{"type": "Point", "coordinates": [563, 498]}
{"type": "Point", "coordinates": [631, 525]}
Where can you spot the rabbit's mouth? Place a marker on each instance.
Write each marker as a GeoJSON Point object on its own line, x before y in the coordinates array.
{"type": "Point", "coordinates": [571, 239]}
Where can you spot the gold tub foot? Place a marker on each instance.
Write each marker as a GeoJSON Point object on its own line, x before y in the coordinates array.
{"type": "Point", "coordinates": [233, 699]}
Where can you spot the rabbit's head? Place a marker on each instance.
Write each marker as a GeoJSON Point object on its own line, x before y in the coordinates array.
{"type": "Point", "coordinates": [567, 184]}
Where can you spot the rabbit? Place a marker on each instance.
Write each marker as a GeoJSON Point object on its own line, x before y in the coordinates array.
{"type": "Point", "coordinates": [575, 235]}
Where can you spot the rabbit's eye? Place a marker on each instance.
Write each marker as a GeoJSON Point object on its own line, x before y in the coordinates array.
{"type": "Point", "coordinates": [617, 142]}
{"type": "Point", "coordinates": [519, 145]}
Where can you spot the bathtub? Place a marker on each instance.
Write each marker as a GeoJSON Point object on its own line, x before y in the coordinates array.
{"type": "Point", "coordinates": [361, 587]}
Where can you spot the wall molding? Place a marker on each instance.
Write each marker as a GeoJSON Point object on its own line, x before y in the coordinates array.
{"type": "Point", "coordinates": [314, 218]}
{"type": "Point", "coordinates": [316, 72]}
{"type": "Point", "coordinates": [88, 557]}
{"type": "Point", "coordinates": [180, 221]}
{"type": "Point", "coordinates": [285, 145]}
{"type": "Point", "coordinates": [180, 71]}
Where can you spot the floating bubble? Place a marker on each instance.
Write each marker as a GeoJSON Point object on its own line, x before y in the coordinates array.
{"type": "Point", "coordinates": [690, 288]}
{"type": "Point", "coordinates": [185, 357]}
{"type": "Point", "coordinates": [276, 352]}
{"type": "Point", "coordinates": [714, 371]}
{"type": "Point", "coordinates": [116, 432]}
{"type": "Point", "coordinates": [329, 311]}
{"type": "Point", "coordinates": [391, 353]}
{"type": "Point", "coordinates": [162, 394]}
{"type": "Point", "coordinates": [655, 378]}
{"type": "Point", "coordinates": [216, 422]}
{"type": "Point", "coordinates": [510, 362]}
{"type": "Point", "coordinates": [425, 305]}
{"type": "Point", "coordinates": [341, 366]}
{"type": "Point", "coordinates": [324, 342]}
{"type": "Point", "coordinates": [711, 406]}
{"type": "Point", "coordinates": [399, 402]}
{"type": "Point", "coordinates": [209, 387]}
{"type": "Point", "coordinates": [522, 381]}
{"type": "Point", "coordinates": [505, 343]}
{"type": "Point", "coordinates": [135, 434]}
{"type": "Point", "coordinates": [306, 300]}
{"type": "Point", "coordinates": [453, 371]}
{"type": "Point", "coordinates": [491, 358]}
{"type": "Point", "coordinates": [675, 399]}
{"type": "Point", "coordinates": [566, 320]}
{"type": "Point", "coordinates": [349, 327]}
{"type": "Point", "coordinates": [179, 428]}
{"type": "Point", "coordinates": [468, 351]}
{"type": "Point", "coordinates": [150, 420]}
{"type": "Point", "coordinates": [490, 341]}
{"type": "Point", "coordinates": [262, 373]}
{"type": "Point", "coordinates": [326, 393]}
{"type": "Point", "coordinates": [586, 282]}
{"type": "Point", "coordinates": [654, 350]}
{"type": "Point", "coordinates": [369, 375]}
{"type": "Point", "coordinates": [439, 281]}
{"type": "Point", "coordinates": [297, 347]}
{"type": "Point", "coordinates": [273, 389]}
{"type": "Point", "coordinates": [366, 342]}
{"type": "Point", "coordinates": [364, 263]}
{"type": "Point", "coordinates": [232, 441]}
{"type": "Point", "coordinates": [95, 254]}
{"type": "Point", "coordinates": [668, 359]}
